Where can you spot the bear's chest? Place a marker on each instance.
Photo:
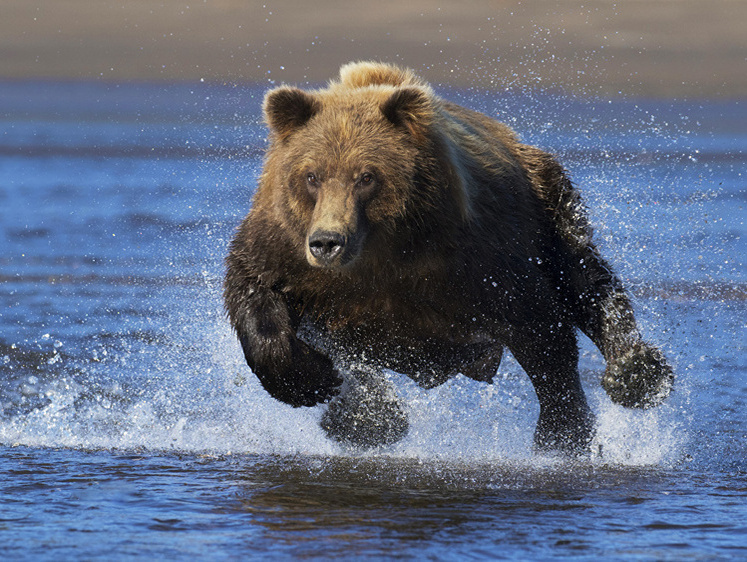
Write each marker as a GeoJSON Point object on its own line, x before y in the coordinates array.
{"type": "Point", "coordinates": [412, 336]}
{"type": "Point", "coordinates": [392, 309]}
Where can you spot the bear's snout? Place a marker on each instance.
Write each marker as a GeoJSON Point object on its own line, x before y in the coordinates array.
{"type": "Point", "coordinates": [326, 246]}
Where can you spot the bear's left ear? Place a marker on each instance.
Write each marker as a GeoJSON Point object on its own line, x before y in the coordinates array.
{"type": "Point", "coordinates": [286, 109]}
{"type": "Point", "coordinates": [411, 108]}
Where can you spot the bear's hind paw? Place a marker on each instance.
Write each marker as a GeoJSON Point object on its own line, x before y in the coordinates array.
{"type": "Point", "coordinates": [640, 378]}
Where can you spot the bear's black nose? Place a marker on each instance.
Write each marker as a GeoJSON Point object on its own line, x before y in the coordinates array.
{"type": "Point", "coordinates": [325, 245]}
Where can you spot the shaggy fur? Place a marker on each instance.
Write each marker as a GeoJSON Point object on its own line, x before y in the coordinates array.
{"type": "Point", "coordinates": [396, 228]}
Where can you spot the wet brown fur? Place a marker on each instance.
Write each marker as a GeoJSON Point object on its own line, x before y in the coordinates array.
{"type": "Point", "coordinates": [469, 241]}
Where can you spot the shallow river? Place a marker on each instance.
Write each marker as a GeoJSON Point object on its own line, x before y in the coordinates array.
{"type": "Point", "coordinates": [130, 426]}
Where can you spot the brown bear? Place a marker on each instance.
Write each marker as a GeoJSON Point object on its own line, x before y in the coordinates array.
{"type": "Point", "coordinates": [392, 229]}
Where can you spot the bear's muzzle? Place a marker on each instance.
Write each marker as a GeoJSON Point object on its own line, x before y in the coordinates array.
{"type": "Point", "coordinates": [326, 247]}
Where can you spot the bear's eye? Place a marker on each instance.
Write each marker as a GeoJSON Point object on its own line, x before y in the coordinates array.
{"type": "Point", "coordinates": [311, 179]}
{"type": "Point", "coordinates": [366, 179]}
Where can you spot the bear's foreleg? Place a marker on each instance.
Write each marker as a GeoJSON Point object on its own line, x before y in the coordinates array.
{"type": "Point", "coordinates": [549, 355]}
{"type": "Point", "coordinates": [289, 369]}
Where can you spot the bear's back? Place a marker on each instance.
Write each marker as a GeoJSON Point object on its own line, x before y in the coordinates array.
{"type": "Point", "coordinates": [356, 75]}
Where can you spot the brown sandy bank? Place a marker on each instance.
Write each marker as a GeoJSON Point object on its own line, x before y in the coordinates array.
{"type": "Point", "coordinates": [682, 48]}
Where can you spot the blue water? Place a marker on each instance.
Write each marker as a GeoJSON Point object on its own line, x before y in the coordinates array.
{"type": "Point", "coordinates": [130, 426]}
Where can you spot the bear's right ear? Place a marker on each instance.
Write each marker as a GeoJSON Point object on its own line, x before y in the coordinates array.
{"type": "Point", "coordinates": [286, 109]}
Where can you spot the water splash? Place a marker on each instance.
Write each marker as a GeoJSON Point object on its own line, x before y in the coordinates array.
{"type": "Point", "coordinates": [200, 398]}
{"type": "Point", "coordinates": [146, 360]}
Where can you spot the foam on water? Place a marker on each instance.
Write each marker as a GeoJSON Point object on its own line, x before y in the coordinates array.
{"type": "Point", "coordinates": [163, 372]}
{"type": "Point", "coordinates": [199, 397]}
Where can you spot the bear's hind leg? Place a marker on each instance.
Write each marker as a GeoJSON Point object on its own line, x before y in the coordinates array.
{"type": "Point", "coordinates": [638, 378]}
{"type": "Point", "coordinates": [637, 374]}
{"type": "Point", "coordinates": [367, 413]}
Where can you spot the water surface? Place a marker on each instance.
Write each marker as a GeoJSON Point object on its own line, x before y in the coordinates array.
{"type": "Point", "coordinates": [130, 426]}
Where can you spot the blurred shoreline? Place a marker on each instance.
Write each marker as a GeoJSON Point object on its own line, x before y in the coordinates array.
{"type": "Point", "coordinates": [692, 49]}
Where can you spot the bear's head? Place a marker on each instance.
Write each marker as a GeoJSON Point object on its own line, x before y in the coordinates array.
{"type": "Point", "coordinates": [358, 161]}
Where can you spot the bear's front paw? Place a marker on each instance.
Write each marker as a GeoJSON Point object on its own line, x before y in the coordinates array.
{"type": "Point", "coordinates": [565, 429]}
{"type": "Point", "coordinates": [640, 378]}
{"type": "Point", "coordinates": [367, 414]}
{"type": "Point", "coordinates": [307, 378]}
